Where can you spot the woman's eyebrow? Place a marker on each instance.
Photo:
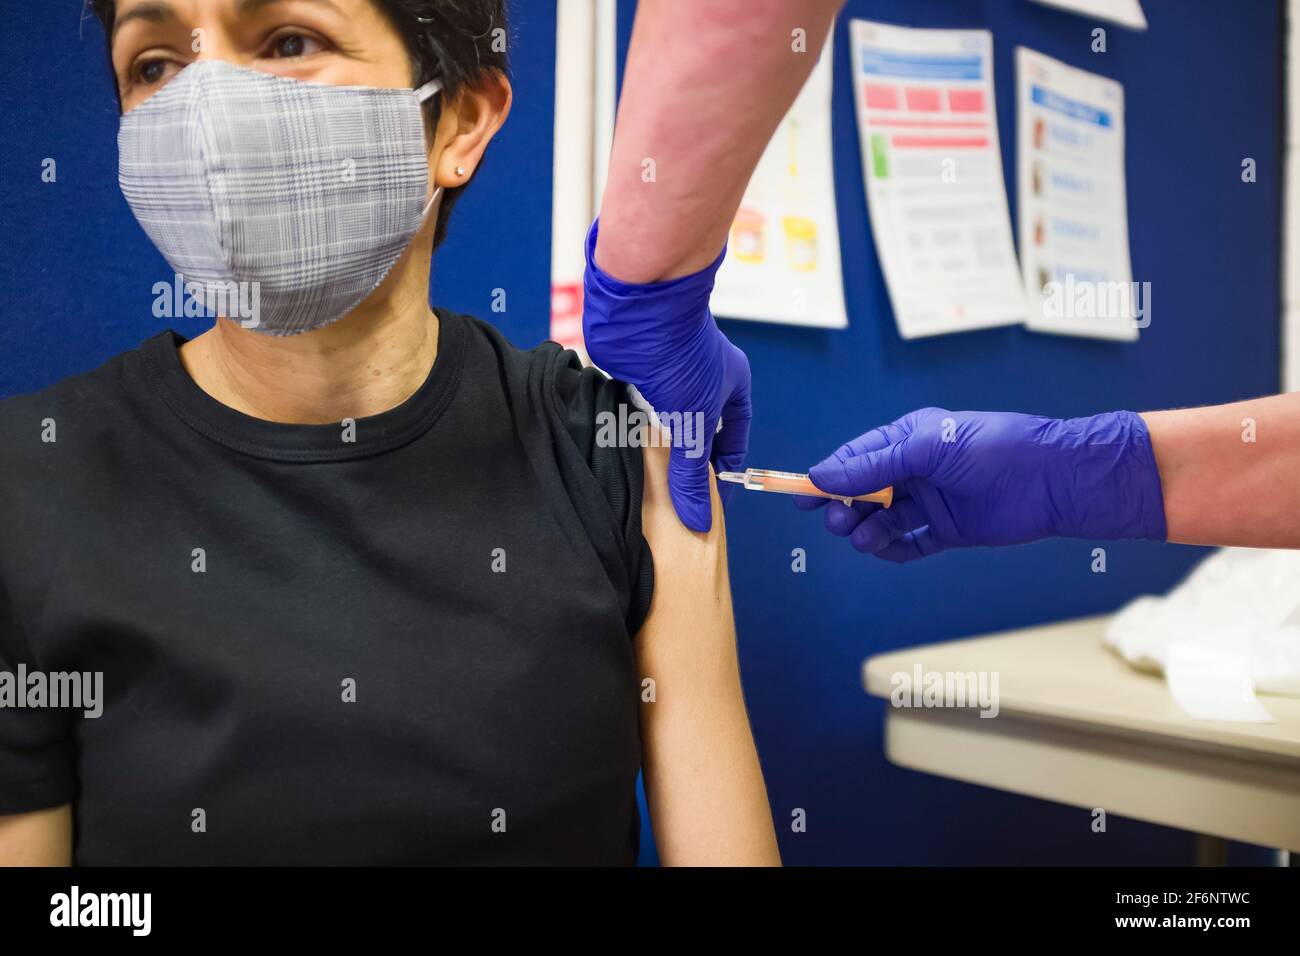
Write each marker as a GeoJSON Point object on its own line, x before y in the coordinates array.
{"type": "Point", "coordinates": [154, 12]}
{"type": "Point", "coordinates": [158, 11]}
{"type": "Point", "coordinates": [247, 7]}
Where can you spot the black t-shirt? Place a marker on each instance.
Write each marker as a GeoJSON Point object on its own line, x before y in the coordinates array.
{"type": "Point", "coordinates": [414, 646]}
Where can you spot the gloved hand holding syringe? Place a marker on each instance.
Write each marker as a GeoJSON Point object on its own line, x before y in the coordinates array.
{"type": "Point", "coordinates": [791, 483]}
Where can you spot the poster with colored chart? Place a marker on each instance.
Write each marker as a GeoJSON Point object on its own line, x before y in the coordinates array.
{"type": "Point", "coordinates": [936, 197]}
{"type": "Point", "coordinates": [783, 251]}
{"type": "Point", "coordinates": [1073, 203]}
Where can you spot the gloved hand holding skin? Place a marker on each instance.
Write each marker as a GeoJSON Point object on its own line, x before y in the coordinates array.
{"type": "Point", "coordinates": [969, 479]}
{"type": "Point", "coordinates": [662, 338]}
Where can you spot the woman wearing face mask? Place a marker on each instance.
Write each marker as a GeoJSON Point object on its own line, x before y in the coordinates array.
{"type": "Point", "coordinates": [364, 583]}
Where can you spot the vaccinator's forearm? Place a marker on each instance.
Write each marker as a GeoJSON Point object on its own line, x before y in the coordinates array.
{"type": "Point", "coordinates": [1231, 473]}
{"type": "Point", "coordinates": [705, 86]}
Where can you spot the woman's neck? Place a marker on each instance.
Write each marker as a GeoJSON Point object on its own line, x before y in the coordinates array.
{"type": "Point", "coordinates": [364, 364]}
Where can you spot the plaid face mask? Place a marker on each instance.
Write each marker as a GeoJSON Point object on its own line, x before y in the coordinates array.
{"type": "Point", "coordinates": [307, 192]}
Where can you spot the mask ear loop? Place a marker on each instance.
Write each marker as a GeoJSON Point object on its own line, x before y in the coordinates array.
{"type": "Point", "coordinates": [422, 95]}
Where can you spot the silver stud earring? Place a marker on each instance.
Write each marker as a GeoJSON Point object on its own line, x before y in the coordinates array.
{"type": "Point", "coordinates": [460, 170]}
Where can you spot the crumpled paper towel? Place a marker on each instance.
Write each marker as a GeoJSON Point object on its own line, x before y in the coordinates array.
{"type": "Point", "coordinates": [1231, 628]}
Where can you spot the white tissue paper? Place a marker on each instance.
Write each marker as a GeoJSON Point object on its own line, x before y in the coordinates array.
{"type": "Point", "coordinates": [1230, 629]}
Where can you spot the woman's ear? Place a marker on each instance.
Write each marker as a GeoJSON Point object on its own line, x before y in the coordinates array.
{"type": "Point", "coordinates": [465, 128]}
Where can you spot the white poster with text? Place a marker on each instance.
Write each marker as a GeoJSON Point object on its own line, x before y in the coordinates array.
{"type": "Point", "coordinates": [936, 196]}
{"type": "Point", "coordinates": [1073, 204]}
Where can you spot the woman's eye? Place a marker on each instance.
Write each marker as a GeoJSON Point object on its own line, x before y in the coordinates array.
{"type": "Point", "coordinates": [151, 71]}
{"type": "Point", "coordinates": [292, 45]}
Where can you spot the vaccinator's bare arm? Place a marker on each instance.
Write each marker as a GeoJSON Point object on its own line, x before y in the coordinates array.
{"type": "Point", "coordinates": [704, 88]}
{"type": "Point", "coordinates": [1231, 473]}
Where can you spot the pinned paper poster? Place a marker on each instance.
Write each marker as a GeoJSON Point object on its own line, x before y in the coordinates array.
{"type": "Point", "coordinates": [783, 254]}
{"type": "Point", "coordinates": [933, 168]}
{"type": "Point", "coordinates": [585, 40]}
{"type": "Point", "coordinates": [1073, 212]}
{"type": "Point", "coordinates": [1127, 13]}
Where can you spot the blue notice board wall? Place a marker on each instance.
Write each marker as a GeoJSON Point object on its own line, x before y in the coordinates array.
{"type": "Point", "coordinates": [1203, 92]}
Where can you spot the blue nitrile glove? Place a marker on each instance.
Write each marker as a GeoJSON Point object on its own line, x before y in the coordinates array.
{"type": "Point", "coordinates": [964, 479]}
{"type": "Point", "coordinates": [662, 338]}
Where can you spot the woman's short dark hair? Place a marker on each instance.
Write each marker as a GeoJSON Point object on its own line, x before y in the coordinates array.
{"type": "Point", "coordinates": [457, 41]}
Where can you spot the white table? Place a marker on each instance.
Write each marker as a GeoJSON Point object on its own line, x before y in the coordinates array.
{"type": "Point", "coordinates": [1079, 726]}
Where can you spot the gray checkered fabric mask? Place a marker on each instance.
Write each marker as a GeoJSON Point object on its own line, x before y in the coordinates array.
{"type": "Point", "coordinates": [309, 191]}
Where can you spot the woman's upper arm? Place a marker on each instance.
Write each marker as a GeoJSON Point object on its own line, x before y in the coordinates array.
{"type": "Point", "coordinates": [37, 838]}
{"type": "Point", "coordinates": [704, 786]}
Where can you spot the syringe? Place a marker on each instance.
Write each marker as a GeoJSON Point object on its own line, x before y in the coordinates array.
{"type": "Point", "coordinates": [790, 483]}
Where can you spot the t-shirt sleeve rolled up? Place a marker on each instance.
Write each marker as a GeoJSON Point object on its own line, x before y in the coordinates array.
{"type": "Point", "coordinates": [591, 406]}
